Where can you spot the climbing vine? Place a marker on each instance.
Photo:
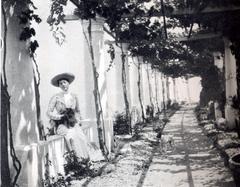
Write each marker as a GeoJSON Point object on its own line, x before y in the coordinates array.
{"type": "Point", "coordinates": [25, 17]}
{"type": "Point", "coordinates": [124, 85]}
{"type": "Point", "coordinates": [150, 88]}
{"type": "Point", "coordinates": [139, 89]}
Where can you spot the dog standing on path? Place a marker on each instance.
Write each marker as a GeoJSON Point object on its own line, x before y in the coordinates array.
{"type": "Point", "coordinates": [167, 142]}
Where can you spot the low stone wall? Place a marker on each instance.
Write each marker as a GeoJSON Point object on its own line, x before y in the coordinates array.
{"type": "Point", "coordinates": [33, 159]}
{"type": "Point", "coordinates": [33, 156]}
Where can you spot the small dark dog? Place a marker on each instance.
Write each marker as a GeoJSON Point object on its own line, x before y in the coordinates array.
{"type": "Point", "coordinates": [69, 117]}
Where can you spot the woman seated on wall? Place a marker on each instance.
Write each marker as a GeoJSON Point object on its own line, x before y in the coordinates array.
{"type": "Point", "coordinates": [64, 114]}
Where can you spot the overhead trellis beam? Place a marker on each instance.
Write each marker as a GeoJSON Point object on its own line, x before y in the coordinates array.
{"type": "Point", "coordinates": [198, 37]}
{"type": "Point", "coordinates": [177, 39]}
{"type": "Point", "coordinates": [190, 11]}
{"type": "Point", "coordinates": [175, 12]}
{"type": "Point", "coordinates": [71, 18]}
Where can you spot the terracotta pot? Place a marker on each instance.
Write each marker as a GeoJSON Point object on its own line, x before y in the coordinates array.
{"type": "Point", "coordinates": [234, 164]}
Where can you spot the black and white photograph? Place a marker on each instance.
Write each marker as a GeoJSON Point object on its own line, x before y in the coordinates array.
{"type": "Point", "coordinates": [120, 93]}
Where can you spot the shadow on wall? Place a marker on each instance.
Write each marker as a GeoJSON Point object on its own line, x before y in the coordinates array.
{"type": "Point", "coordinates": [19, 73]}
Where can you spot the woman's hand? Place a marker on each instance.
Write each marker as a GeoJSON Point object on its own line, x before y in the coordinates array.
{"type": "Point", "coordinates": [59, 116]}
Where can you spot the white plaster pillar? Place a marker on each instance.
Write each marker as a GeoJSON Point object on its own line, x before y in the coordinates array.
{"type": "Point", "coordinates": [160, 97]}
{"type": "Point", "coordinates": [167, 89]}
{"type": "Point", "coordinates": [153, 83]}
{"type": "Point", "coordinates": [125, 50]}
{"type": "Point", "coordinates": [174, 90]}
{"type": "Point", "coordinates": [97, 43]}
{"type": "Point", "coordinates": [188, 91]}
{"type": "Point", "coordinates": [231, 84]}
{"type": "Point", "coordinates": [156, 91]}
{"type": "Point", "coordinates": [88, 106]}
{"type": "Point", "coordinates": [114, 85]}
{"type": "Point", "coordinates": [163, 92]}
{"type": "Point", "coordinates": [171, 90]}
{"type": "Point", "coordinates": [19, 74]}
{"type": "Point", "coordinates": [133, 79]}
{"type": "Point", "coordinates": [145, 87]}
{"type": "Point", "coordinates": [150, 84]}
{"type": "Point", "coordinates": [177, 80]}
{"type": "Point", "coordinates": [19, 77]}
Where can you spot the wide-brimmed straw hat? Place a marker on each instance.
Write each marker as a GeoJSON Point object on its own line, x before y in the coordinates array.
{"type": "Point", "coordinates": [66, 76]}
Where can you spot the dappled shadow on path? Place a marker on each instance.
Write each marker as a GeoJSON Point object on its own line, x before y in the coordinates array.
{"type": "Point", "coordinates": [191, 162]}
{"type": "Point", "coordinates": [143, 175]}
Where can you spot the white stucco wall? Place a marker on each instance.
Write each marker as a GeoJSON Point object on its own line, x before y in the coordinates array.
{"type": "Point", "coordinates": [19, 73]}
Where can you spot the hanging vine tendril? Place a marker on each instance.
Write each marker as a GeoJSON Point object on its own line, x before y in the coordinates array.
{"type": "Point", "coordinates": [111, 52]}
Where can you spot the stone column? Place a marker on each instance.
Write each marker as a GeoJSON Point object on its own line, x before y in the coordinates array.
{"type": "Point", "coordinates": [114, 85]}
{"type": "Point", "coordinates": [133, 79]}
{"type": "Point", "coordinates": [160, 97]}
{"type": "Point", "coordinates": [20, 80]}
{"type": "Point", "coordinates": [125, 50]}
{"type": "Point", "coordinates": [156, 91]}
{"type": "Point", "coordinates": [174, 91]}
{"type": "Point", "coordinates": [97, 42]}
{"type": "Point", "coordinates": [188, 91]}
{"type": "Point", "coordinates": [153, 83]}
{"type": "Point", "coordinates": [145, 86]}
{"type": "Point", "coordinates": [88, 107]}
{"type": "Point", "coordinates": [231, 85]}
{"type": "Point", "coordinates": [163, 92]}
{"type": "Point", "coordinates": [167, 90]}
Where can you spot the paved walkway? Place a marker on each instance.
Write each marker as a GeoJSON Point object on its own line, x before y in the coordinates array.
{"type": "Point", "coordinates": [191, 162]}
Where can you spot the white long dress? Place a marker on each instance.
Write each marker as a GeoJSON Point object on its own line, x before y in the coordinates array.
{"type": "Point", "coordinates": [75, 136]}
